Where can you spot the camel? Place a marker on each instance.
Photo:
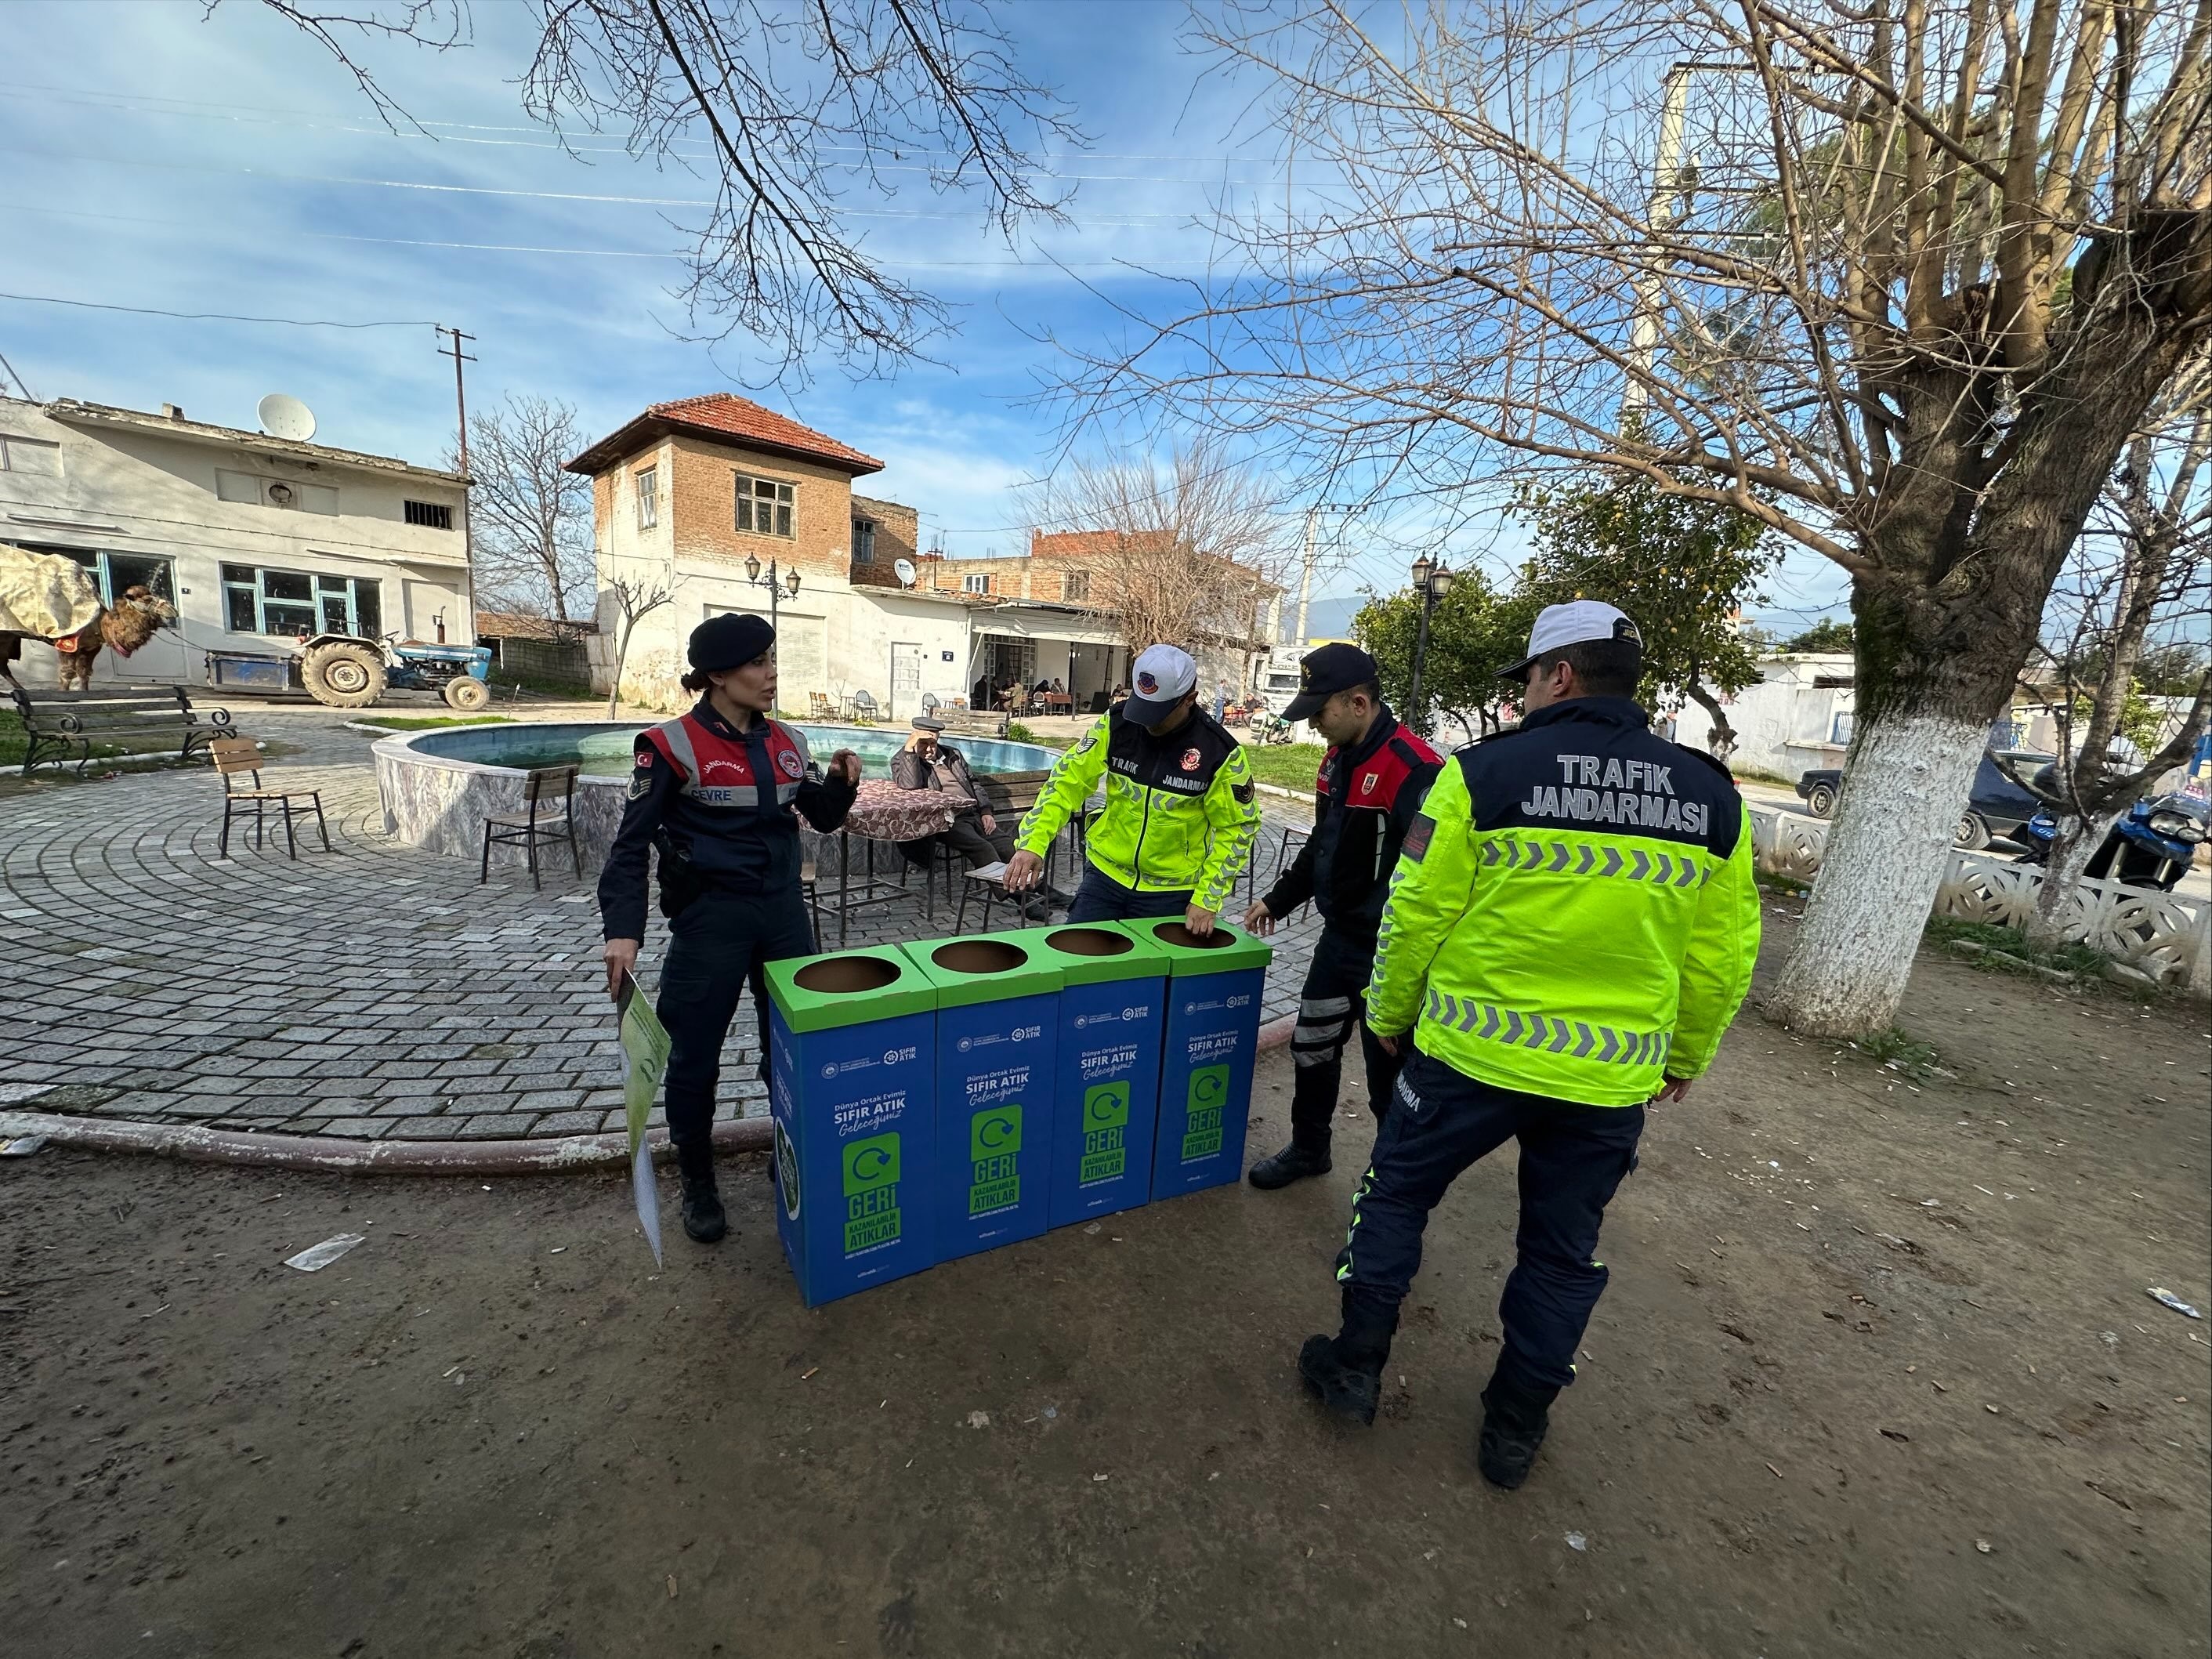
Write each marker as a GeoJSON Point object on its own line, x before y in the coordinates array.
{"type": "Point", "coordinates": [51, 596]}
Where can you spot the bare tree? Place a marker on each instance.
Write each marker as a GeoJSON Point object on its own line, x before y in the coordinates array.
{"type": "Point", "coordinates": [1910, 275]}
{"type": "Point", "coordinates": [634, 597]}
{"type": "Point", "coordinates": [2142, 569]}
{"type": "Point", "coordinates": [530, 518]}
{"type": "Point", "coordinates": [790, 111]}
{"type": "Point", "coordinates": [1191, 550]}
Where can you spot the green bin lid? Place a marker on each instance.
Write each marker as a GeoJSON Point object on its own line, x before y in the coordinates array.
{"type": "Point", "coordinates": [981, 968]}
{"type": "Point", "coordinates": [847, 988]}
{"type": "Point", "coordinates": [1224, 952]}
{"type": "Point", "coordinates": [1092, 953]}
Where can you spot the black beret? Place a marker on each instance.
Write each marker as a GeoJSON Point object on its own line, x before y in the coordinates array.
{"type": "Point", "coordinates": [729, 640]}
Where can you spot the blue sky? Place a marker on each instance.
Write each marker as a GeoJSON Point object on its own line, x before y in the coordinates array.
{"type": "Point", "coordinates": [154, 157]}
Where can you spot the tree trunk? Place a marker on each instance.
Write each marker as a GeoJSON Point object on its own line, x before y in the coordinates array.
{"type": "Point", "coordinates": [1719, 737]}
{"type": "Point", "coordinates": [2076, 844]}
{"type": "Point", "coordinates": [622, 656]}
{"type": "Point", "coordinates": [1887, 849]}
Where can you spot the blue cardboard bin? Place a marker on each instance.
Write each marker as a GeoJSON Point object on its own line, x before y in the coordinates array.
{"type": "Point", "coordinates": [1113, 1005]}
{"type": "Point", "coordinates": [851, 1084]}
{"type": "Point", "coordinates": [1212, 1040]}
{"type": "Point", "coordinates": [998, 1023]}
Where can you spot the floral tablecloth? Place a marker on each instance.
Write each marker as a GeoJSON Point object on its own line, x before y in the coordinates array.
{"type": "Point", "coordinates": [884, 811]}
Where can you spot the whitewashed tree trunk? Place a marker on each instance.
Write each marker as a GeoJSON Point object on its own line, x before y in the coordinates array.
{"type": "Point", "coordinates": [1885, 857]}
{"type": "Point", "coordinates": [2076, 844]}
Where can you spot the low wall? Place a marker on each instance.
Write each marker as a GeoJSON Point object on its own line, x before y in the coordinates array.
{"type": "Point", "coordinates": [440, 802]}
{"type": "Point", "coordinates": [2165, 935]}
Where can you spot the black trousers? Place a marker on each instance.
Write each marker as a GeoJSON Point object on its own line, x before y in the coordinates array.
{"type": "Point", "coordinates": [1573, 1159]}
{"type": "Point", "coordinates": [717, 945]}
{"type": "Point", "coordinates": [1332, 1005]}
{"type": "Point", "coordinates": [975, 845]}
{"type": "Point", "coordinates": [1102, 898]}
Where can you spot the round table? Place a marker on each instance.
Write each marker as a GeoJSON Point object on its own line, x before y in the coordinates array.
{"type": "Point", "coordinates": [884, 811]}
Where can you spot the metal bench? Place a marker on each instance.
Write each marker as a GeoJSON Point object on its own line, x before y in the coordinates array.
{"type": "Point", "coordinates": [61, 726]}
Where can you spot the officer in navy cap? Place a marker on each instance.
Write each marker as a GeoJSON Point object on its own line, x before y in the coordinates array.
{"type": "Point", "coordinates": [1371, 784]}
{"type": "Point", "coordinates": [718, 792]}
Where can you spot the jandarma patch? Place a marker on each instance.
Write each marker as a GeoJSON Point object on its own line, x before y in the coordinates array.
{"type": "Point", "coordinates": [1417, 838]}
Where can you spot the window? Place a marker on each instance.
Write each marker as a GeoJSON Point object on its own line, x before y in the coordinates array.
{"type": "Point", "coordinates": [1075, 585]}
{"type": "Point", "coordinates": [431, 515]}
{"type": "Point", "coordinates": [976, 582]}
{"type": "Point", "coordinates": [864, 541]}
{"type": "Point", "coordinates": [119, 572]}
{"type": "Point", "coordinates": [30, 455]}
{"type": "Point", "coordinates": [293, 602]}
{"type": "Point", "coordinates": [1840, 728]}
{"type": "Point", "coordinates": [648, 498]}
{"type": "Point", "coordinates": [763, 507]}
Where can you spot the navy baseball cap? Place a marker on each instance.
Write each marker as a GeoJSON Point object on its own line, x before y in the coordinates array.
{"type": "Point", "coordinates": [1324, 672]}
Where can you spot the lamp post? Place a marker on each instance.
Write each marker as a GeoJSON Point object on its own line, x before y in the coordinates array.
{"type": "Point", "coordinates": [775, 589]}
{"type": "Point", "coordinates": [1432, 581]}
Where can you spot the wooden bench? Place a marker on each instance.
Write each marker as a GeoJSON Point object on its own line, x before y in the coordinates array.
{"type": "Point", "coordinates": [59, 727]}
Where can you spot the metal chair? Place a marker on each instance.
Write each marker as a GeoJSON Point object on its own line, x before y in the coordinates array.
{"type": "Point", "coordinates": [542, 791]}
{"type": "Point", "coordinates": [1282, 858]}
{"type": "Point", "coordinates": [864, 706]}
{"type": "Point", "coordinates": [242, 757]}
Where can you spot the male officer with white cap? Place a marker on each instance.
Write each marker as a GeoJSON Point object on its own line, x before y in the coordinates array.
{"type": "Point", "coordinates": [1570, 930]}
{"type": "Point", "coordinates": [1180, 809]}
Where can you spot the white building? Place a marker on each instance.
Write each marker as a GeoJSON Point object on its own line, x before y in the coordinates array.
{"type": "Point", "coordinates": [1796, 719]}
{"type": "Point", "coordinates": [252, 537]}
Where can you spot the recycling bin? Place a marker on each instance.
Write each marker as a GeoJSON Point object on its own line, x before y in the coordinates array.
{"type": "Point", "coordinates": [1112, 1008]}
{"type": "Point", "coordinates": [852, 1082]}
{"type": "Point", "coordinates": [998, 1027]}
{"type": "Point", "coordinates": [1211, 1041]}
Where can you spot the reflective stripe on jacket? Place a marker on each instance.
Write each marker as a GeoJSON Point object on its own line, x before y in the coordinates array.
{"type": "Point", "coordinates": [1574, 914]}
{"type": "Point", "coordinates": [1180, 810]}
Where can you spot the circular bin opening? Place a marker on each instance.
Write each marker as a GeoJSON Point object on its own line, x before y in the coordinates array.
{"type": "Point", "coordinates": [979, 956]}
{"type": "Point", "coordinates": [845, 975]}
{"type": "Point", "coordinates": [1090, 942]}
{"type": "Point", "coordinates": [1176, 932]}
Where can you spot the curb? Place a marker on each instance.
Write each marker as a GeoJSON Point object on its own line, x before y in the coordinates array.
{"type": "Point", "coordinates": [242, 1149]}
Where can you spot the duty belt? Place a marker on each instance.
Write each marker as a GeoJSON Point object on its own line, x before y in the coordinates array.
{"type": "Point", "coordinates": [1554, 1034]}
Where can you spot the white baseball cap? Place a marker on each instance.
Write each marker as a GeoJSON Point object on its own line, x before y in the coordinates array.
{"type": "Point", "coordinates": [1575, 622]}
{"type": "Point", "coordinates": [1162, 677]}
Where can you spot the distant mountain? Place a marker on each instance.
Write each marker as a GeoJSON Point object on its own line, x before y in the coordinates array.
{"type": "Point", "coordinates": [1326, 619]}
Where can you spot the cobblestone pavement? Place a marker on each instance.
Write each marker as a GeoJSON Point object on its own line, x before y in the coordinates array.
{"type": "Point", "coordinates": [374, 991]}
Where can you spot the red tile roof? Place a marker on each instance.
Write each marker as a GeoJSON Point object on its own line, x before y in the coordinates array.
{"type": "Point", "coordinates": [720, 415]}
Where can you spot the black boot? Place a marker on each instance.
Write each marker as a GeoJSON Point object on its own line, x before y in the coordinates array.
{"type": "Point", "coordinates": [1294, 1163]}
{"type": "Point", "coordinates": [703, 1205]}
{"type": "Point", "coordinates": [1347, 1369]}
{"type": "Point", "coordinates": [1514, 1419]}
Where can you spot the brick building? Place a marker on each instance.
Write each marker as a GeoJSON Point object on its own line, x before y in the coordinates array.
{"type": "Point", "coordinates": [689, 490]}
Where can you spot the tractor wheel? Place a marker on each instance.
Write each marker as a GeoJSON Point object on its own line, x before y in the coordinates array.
{"type": "Point", "coordinates": [466, 693]}
{"type": "Point", "coordinates": [343, 676]}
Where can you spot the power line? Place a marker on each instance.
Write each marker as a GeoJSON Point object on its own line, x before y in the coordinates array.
{"type": "Point", "coordinates": [205, 316]}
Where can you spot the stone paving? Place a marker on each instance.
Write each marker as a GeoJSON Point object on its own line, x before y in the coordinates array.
{"type": "Point", "coordinates": [374, 992]}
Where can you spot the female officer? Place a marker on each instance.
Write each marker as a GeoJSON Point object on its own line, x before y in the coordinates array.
{"type": "Point", "coordinates": [714, 790]}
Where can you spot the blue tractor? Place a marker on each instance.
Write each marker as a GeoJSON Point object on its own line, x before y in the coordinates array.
{"type": "Point", "coordinates": [346, 672]}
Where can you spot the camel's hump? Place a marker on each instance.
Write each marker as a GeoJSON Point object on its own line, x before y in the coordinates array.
{"type": "Point", "coordinates": [45, 595]}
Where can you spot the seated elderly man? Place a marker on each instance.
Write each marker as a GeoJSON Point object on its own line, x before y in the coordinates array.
{"type": "Point", "coordinates": [927, 762]}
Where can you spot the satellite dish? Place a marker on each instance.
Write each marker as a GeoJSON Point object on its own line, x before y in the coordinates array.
{"type": "Point", "coordinates": [285, 418]}
{"type": "Point", "coordinates": [903, 569]}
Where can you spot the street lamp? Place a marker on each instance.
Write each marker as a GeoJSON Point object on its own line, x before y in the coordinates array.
{"type": "Point", "coordinates": [775, 589]}
{"type": "Point", "coordinates": [1432, 581]}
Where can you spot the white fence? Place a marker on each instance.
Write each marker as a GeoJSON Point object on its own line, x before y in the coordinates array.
{"type": "Point", "coordinates": [2162, 934]}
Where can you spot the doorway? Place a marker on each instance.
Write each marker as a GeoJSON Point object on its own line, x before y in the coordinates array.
{"type": "Point", "coordinates": [906, 676]}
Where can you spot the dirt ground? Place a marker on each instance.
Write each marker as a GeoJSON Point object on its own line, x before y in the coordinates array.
{"type": "Point", "coordinates": [1876, 1374]}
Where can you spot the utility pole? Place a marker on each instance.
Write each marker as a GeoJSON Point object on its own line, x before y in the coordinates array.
{"type": "Point", "coordinates": [1666, 173]}
{"type": "Point", "coordinates": [461, 413]}
{"type": "Point", "coordinates": [1306, 574]}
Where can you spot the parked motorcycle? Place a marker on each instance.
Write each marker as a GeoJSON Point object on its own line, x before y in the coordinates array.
{"type": "Point", "coordinates": [2151, 847]}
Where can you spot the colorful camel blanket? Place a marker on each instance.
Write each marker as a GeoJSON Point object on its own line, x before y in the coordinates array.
{"type": "Point", "coordinates": [47, 596]}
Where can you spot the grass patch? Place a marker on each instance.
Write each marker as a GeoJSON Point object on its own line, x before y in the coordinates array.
{"type": "Point", "coordinates": [546, 690]}
{"type": "Point", "coordinates": [431, 722]}
{"type": "Point", "coordinates": [1753, 775]}
{"type": "Point", "coordinates": [14, 744]}
{"type": "Point", "coordinates": [2006, 949]}
{"type": "Point", "coordinates": [1287, 765]}
{"type": "Point", "coordinates": [1787, 886]}
{"type": "Point", "coordinates": [1900, 1052]}
{"type": "Point", "coordinates": [1016, 732]}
